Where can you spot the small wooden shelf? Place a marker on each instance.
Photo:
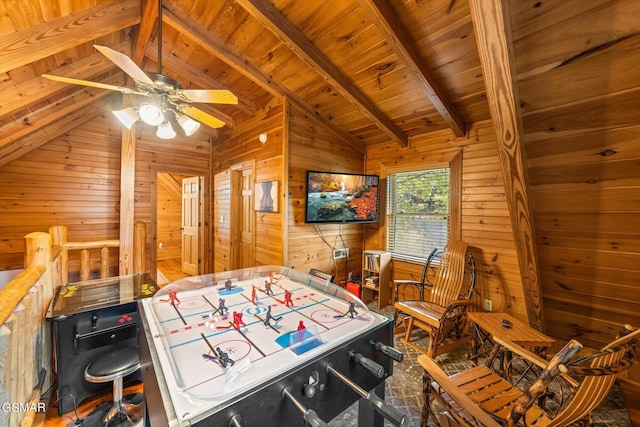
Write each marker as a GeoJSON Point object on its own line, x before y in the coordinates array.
{"type": "Point", "coordinates": [376, 276]}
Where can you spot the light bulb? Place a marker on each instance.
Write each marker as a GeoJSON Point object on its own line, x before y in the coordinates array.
{"type": "Point", "coordinates": [189, 125]}
{"type": "Point", "coordinates": [165, 131]}
{"type": "Point", "coordinates": [127, 117]}
{"type": "Point", "coordinates": [151, 114]}
{"type": "Point", "coordinates": [262, 137]}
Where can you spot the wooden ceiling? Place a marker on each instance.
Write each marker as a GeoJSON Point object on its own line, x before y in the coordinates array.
{"type": "Point", "coordinates": [376, 70]}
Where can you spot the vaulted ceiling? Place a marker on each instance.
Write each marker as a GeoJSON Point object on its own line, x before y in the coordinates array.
{"type": "Point", "coordinates": [375, 70]}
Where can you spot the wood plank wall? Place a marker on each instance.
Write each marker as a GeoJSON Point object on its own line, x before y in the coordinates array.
{"type": "Point", "coordinates": [169, 204]}
{"type": "Point", "coordinates": [580, 97]}
{"type": "Point", "coordinates": [74, 180]}
{"type": "Point", "coordinates": [313, 146]}
{"type": "Point", "coordinates": [187, 156]}
{"type": "Point", "coordinates": [236, 146]}
{"type": "Point", "coordinates": [485, 217]}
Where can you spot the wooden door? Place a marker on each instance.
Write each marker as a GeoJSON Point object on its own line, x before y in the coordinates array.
{"type": "Point", "coordinates": [242, 236]}
{"type": "Point", "coordinates": [246, 225]}
{"type": "Point", "coordinates": [190, 225]}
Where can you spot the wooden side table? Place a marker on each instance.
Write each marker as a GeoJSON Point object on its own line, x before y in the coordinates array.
{"type": "Point", "coordinates": [486, 326]}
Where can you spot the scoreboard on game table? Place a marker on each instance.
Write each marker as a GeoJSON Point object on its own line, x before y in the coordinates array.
{"type": "Point", "coordinates": [263, 346]}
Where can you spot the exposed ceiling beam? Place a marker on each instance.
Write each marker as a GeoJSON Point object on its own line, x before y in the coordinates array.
{"type": "Point", "coordinates": [148, 22]}
{"type": "Point", "coordinates": [493, 34]}
{"type": "Point", "coordinates": [294, 39]}
{"type": "Point", "coordinates": [63, 124]}
{"type": "Point", "coordinates": [217, 47]}
{"type": "Point", "coordinates": [186, 71]}
{"type": "Point", "coordinates": [385, 19]}
{"type": "Point", "coordinates": [34, 43]}
{"type": "Point", "coordinates": [32, 122]}
{"type": "Point", "coordinates": [38, 89]}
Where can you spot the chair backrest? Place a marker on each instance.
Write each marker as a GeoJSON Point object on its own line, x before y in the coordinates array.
{"type": "Point", "coordinates": [450, 274]}
{"type": "Point", "coordinates": [599, 377]}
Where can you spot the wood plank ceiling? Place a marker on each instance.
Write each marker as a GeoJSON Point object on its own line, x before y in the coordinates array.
{"type": "Point", "coordinates": [374, 70]}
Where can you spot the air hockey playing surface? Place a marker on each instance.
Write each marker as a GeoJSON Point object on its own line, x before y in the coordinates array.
{"type": "Point", "coordinates": [275, 319]}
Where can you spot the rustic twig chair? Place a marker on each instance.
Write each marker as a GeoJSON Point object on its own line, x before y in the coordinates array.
{"type": "Point", "coordinates": [480, 397]}
{"type": "Point", "coordinates": [441, 311]}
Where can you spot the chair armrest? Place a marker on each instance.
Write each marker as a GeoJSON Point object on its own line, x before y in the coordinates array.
{"type": "Point", "coordinates": [459, 302]}
{"type": "Point", "coordinates": [533, 358]}
{"type": "Point", "coordinates": [405, 282]}
{"type": "Point", "coordinates": [437, 375]}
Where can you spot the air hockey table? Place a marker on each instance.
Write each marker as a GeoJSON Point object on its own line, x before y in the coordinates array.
{"type": "Point", "coordinates": [263, 346]}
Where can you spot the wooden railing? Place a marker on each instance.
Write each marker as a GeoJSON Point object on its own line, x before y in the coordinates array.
{"type": "Point", "coordinates": [25, 335]}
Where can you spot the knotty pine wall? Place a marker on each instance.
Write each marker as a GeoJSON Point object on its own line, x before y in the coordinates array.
{"type": "Point", "coordinates": [237, 146]}
{"type": "Point", "coordinates": [296, 143]}
{"type": "Point", "coordinates": [579, 90]}
{"type": "Point", "coordinates": [74, 180]}
{"type": "Point", "coordinates": [314, 146]}
{"type": "Point", "coordinates": [169, 216]}
{"type": "Point", "coordinates": [486, 225]}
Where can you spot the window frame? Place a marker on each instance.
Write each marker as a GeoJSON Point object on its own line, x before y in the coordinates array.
{"type": "Point", "coordinates": [453, 161]}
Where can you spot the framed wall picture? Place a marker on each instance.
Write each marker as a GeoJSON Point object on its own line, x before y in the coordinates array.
{"type": "Point", "coordinates": [266, 197]}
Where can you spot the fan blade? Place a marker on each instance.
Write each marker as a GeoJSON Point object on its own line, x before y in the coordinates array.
{"type": "Point", "coordinates": [213, 96]}
{"type": "Point", "coordinates": [201, 116]}
{"type": "Point", "coordinates": [88, 83]}
{"type": "Point", "coordinates": [125, 63]}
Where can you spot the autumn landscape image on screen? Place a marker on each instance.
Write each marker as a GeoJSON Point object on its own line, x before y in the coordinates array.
{"type": "Point", "coordinates": [333, 197]}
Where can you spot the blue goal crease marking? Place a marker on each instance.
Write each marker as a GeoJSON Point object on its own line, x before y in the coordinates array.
{"type": "Point", "coordinates": [248, 324]}
{"type": "Point", "coordinates": [200, 313]}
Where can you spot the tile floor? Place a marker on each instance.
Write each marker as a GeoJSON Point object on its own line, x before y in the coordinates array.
{"type": "Point", "coordinates": [404, 390]}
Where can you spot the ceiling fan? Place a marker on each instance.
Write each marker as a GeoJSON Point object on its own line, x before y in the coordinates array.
{"type": "Point", "coordinates": [166, 94]}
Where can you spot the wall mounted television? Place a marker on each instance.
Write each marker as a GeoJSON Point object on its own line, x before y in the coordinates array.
{"type": "Point", "coordinates": [333, 197]}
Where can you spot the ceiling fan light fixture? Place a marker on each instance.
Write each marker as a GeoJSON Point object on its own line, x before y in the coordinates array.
{"type": "Point", "coordinates": [189, 125]}
{"type": "Point", "coordinates": [165, 131]}
{"type": "Point", "coordinates": [127, 116]}
{"type": "Point", "coordinates": [151, 114]}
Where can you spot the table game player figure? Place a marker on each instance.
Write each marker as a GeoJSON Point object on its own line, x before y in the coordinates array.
{"type": "Point", "coordinates": [173, 297]}
{"type": "Point", "coordinates": [222, 308]}
{"type": "Point", "coordinates": [267, 288]}
{"type": "Point", "coordinates": [269, 317]}
{"type": "Point", "coordinates": [228, 285]}
{"type": "Point", "coordinates": [287, 298]}
{"type": "Point", "coordinates": [301, 329]}
{"type": "Point", "coordinates": [254, 295]}
{"type": "Point", "coordinates": [223, 358]}
{"type": "Point", "coordinates": [237, 320]}
{"type": "Point", "coordinates": [352, 310]}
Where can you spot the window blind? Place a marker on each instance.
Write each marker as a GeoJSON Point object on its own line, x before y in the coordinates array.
{"type": "Point", "coordinates": [417, 212]}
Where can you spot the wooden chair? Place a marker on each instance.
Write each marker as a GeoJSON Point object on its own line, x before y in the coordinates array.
{"type": "Point", "coordinates": [441, 308]}
{"type": "Point", "coordinates": [480, 397]}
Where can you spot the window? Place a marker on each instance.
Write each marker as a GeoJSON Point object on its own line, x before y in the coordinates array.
{"type": "Point", "coordinates": [418, 212]}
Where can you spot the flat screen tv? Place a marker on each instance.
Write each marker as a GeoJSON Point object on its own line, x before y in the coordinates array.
{"type": "Point", "coordinates": [334, 197]}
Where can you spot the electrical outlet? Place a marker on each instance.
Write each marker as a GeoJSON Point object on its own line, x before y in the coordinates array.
{"type": "Point", "coordinates": [340, 253]}
{"type": "Point", "coordinates": [487, 305]}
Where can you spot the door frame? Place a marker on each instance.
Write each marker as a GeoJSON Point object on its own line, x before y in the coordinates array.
{"type": "Point", "coordinates": [236, 202]}
{"type": "Point", "coordinates": [205, 216]}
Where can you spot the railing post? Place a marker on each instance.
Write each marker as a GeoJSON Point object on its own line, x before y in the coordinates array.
{"type": "Point", "coordinates": [59, 235]}
{"type": "Point", "coordinates": [38, 249]}
{"type": "Point", "coordinates": [139, 247]}
{"type": "Point", "coordinates": [85, 265]}
{"type": "Point", "coordinates": [104, 263]}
